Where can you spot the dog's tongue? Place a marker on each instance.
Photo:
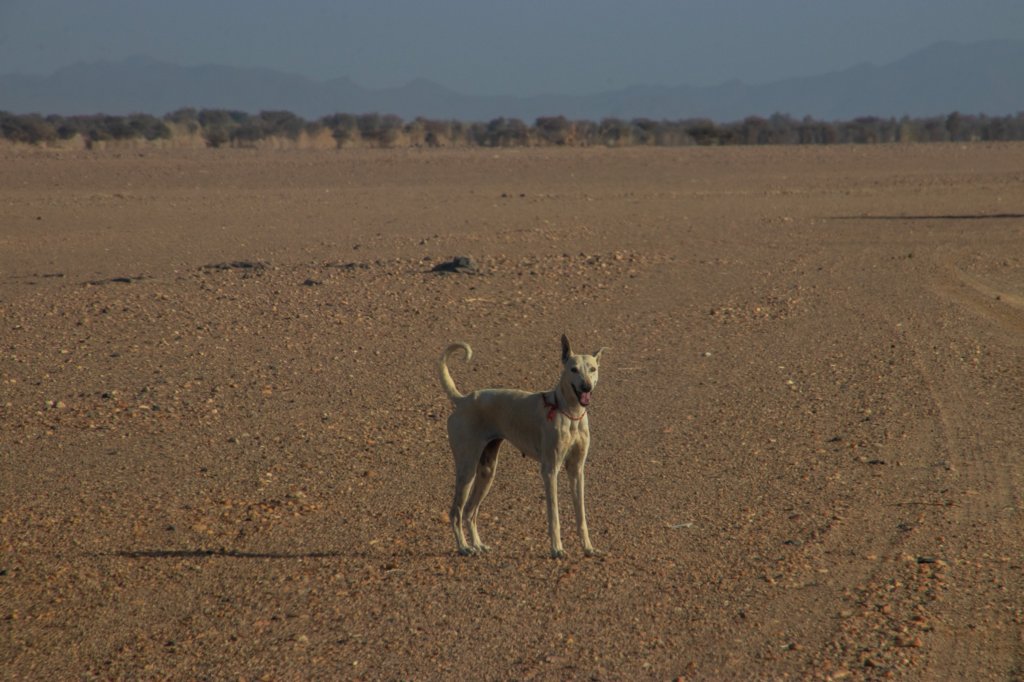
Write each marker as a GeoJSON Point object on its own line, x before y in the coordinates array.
{"type": "Point", "coordinates": [585, 399]}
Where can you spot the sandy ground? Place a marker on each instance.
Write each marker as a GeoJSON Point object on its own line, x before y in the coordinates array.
{"type": "Point", "coordinates": [222, 438]}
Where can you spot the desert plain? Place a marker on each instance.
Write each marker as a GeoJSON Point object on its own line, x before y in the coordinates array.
{"type": "Point", "coordinates": [222, 436]}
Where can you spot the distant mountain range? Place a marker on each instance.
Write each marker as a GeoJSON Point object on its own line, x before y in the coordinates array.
{"type": "Point", "coordinates": [974, 78]}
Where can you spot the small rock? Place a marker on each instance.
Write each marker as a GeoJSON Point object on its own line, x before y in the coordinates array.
{"type": "Point", "coordinates": [909, 642]}
{"type": "Point", "coordinates": [460, 264]}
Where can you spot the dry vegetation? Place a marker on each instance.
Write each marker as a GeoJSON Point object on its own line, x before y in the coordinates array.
{"type": "Point", "coordinates": [217, 128]}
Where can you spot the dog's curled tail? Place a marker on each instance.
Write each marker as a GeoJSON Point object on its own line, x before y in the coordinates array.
{"type": "Point", "coordinates": [446, 378]}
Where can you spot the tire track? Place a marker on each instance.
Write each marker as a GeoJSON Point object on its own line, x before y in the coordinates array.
{"type": "Point", "coordinates": [1001, 307]}
{"type": "Point", "coordinates": [981, 535]}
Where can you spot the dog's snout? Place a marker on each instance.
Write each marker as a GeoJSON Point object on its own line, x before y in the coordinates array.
{"type": "Point", "coordinates": [587, 387]}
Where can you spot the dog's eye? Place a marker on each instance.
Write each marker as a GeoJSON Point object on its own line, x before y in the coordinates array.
{"type": "Point", "coordinates": [592, 369]}
{"type": "Point", "coordinates": [573, 369]}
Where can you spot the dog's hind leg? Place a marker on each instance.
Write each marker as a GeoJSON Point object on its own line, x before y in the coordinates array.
{"type": "Point", "coordinates": [463, 484]}
{"type": "Point", "coordinates": [467, 457]}
{"type": "Point", "coordinates": [485, 470]}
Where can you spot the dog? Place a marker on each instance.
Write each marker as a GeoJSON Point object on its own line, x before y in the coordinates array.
{"type": "Point", "coordinates": [550, 427]}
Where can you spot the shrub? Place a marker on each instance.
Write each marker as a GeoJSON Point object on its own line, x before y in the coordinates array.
{"type": "Point", "coordinates": [703, 131]}
{"type": "Point", "coordinates": [343, 127]}
{"type": "Point", "coordinates": [553, 129]}
{"type": "Point", "coordinates": [30, 129]}
{"type": "Point", "coordinates": [281, 123]}
{"type": "Point", "coordinates": [187, 117]}
{"type": "Point", "coordinates": [614, 132]}
{"type": "Point", "coordinates": [216, 136]}
{"type": "Point", "coordinates": [506, 132]}
{"type": "Point", "coordinates": [148, 127]}
{"type": "Point", "coordinates": [219, 126]}
{"type": "Point", "coordinates": [248, 132]}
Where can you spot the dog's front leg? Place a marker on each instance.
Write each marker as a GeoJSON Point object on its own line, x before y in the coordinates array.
{"type": "Point", "coordinates": [549, 473]}
{"type": "Point", "coordinates": [574, 468]}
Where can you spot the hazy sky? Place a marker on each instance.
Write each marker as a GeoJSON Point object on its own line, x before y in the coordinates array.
{"type": "Point", "coordinates": [517, 47]}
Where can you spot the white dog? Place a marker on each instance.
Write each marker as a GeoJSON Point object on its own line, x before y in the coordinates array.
{"type": "Point", "coordinates": [550, 427]}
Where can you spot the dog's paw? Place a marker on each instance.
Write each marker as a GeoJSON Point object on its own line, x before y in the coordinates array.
{"type": "Point", "coordinates": [468, 551]}
{"type": "Point", "coordinates": [482, 548]}
{"type": "Point", "coordinates": [558, 554]}
{"type": "Point", "coordinates": [592, 552]}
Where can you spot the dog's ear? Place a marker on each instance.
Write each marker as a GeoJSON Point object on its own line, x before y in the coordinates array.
{"type": "Point", "coordinates": [597, 355]}
{"type": "Point", "coordinates": [566, 349]}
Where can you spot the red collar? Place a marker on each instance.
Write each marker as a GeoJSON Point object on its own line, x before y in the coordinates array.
{"type": "Point", "coordinates": [553, 408]}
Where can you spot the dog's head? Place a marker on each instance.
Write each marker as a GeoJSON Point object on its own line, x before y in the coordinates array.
{"type": "Point", "coordinates": [579, 372]}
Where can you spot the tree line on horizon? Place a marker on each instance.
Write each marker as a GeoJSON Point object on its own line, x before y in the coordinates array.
{"type": "Point", "coordinates": [222, 128]}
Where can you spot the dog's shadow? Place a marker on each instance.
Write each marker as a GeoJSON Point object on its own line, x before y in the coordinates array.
{"type": "Point", "coordinates": [221, 552]}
